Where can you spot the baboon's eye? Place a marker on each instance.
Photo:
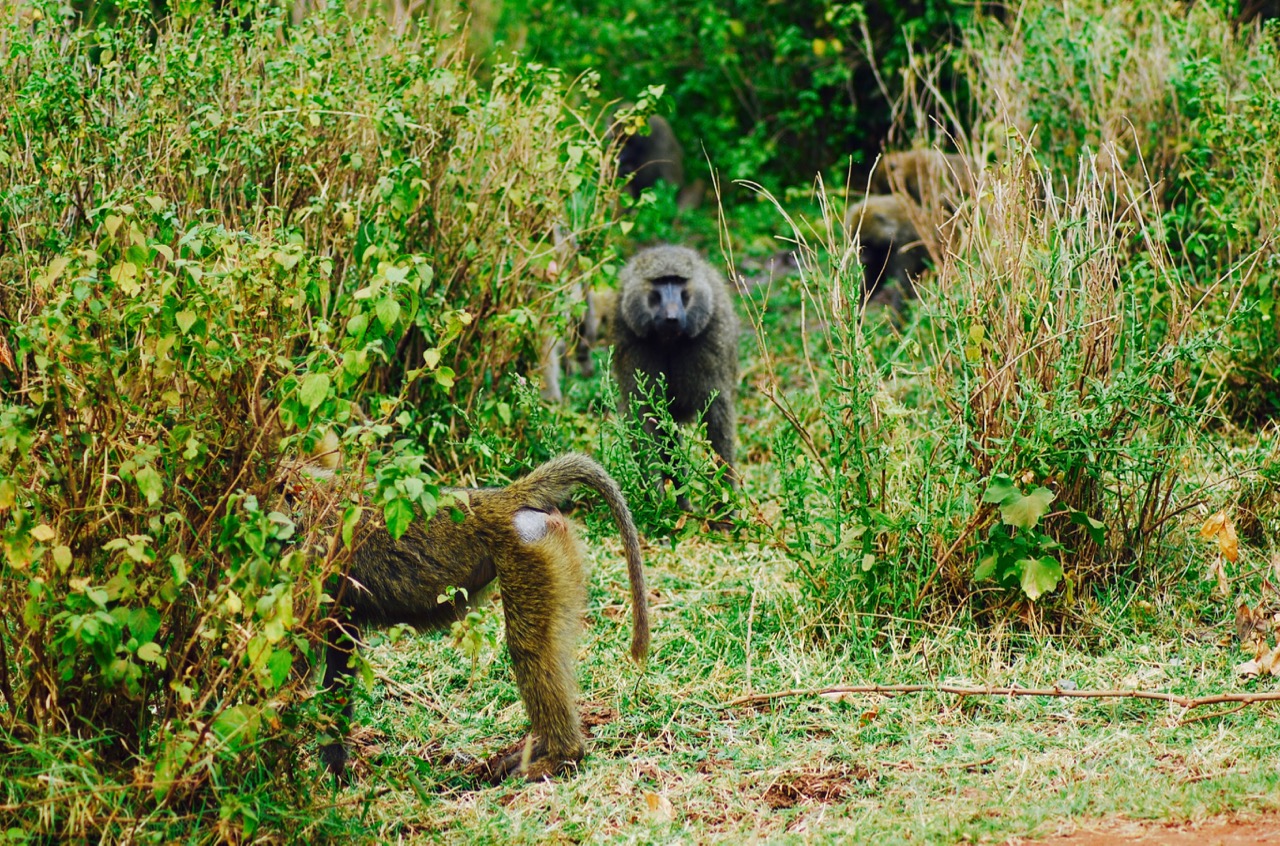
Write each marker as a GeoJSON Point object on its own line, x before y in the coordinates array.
{"type": "Point", "coordinates": [684, 296]}
{"type": "Point", "coordinates": [654, 299]}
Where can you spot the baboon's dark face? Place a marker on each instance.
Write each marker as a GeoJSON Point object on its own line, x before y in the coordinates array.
{"type": "Point", "coordinates": [669, 306]}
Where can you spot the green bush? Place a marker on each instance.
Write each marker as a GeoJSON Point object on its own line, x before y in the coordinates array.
{"type": "Point", "coordinates": [229, 246]}
{"type": "Point", "coordinates": [778, 91]}
{"type": "Point", "coordinates": [1041, 450]}
{"type": "Point", "coordinates": [355, 147]}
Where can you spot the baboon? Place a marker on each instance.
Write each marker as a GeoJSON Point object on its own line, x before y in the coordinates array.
{"type": "Point", "coordinates": [931, 178]}
{"type": "Point", "coordinates": [675, 320]}
{"type": "Point", "coordinates": [603, 304]}
{"type": "Point", "coordinates": [891, 248]}
{"type": "Point", "coordinates": [583, 337]}
{"type": "Point", "coordinates": [517, 535]}
{"type": "Point", "coordinates": [647, 158]}
{"type": "Point", "coordinates": [564, 251]}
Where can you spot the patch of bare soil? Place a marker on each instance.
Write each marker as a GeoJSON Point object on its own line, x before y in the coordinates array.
{"type": "Point", "coordinates": [812, 787]}
{"type": "Point", "coordinates": [1220, 831]}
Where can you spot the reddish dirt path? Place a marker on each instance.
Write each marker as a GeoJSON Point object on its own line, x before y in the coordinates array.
{"type": "Point", "coordinates": [1219, 831]}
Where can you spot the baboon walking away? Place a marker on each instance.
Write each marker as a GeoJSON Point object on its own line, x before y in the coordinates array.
{"type": "Point", "coordinates": [518, 536]}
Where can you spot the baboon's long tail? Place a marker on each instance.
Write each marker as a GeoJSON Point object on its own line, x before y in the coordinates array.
{"type": "Point", "coordinates": [547, 486]}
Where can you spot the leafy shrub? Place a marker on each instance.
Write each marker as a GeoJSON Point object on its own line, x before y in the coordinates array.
{"type": "Point", "coordinates": [1048, 385]}
{"type": "Point", "coordinates": [233, 245]}
{"type": "Point", "coordinates": [359, 148]}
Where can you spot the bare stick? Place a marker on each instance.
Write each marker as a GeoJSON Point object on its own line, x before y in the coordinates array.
{"type": "Point", "coordinates": [1187, 702]}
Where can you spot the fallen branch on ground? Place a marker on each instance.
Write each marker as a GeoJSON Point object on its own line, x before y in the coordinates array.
{"type": "Point", "coordinates": [1187, 702]}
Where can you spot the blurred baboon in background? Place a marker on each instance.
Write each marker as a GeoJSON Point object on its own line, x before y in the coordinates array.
{"type": "Point", "coordinates": [891, 249]}
{"type": "Point", "coordinates": [646, 156]}
{"type": "Point", "coordinates": [934, 180]}
{"type": "Point", "coordinates": [652, 156]}
{"type": "Point", "coordinates": [675, 322]}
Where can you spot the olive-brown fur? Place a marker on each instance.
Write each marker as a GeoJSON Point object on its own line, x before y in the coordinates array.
{"type": "Point", "coordinates": [931, 178]}
{"type": "Point", "coordinates": [650, 158]}
{"type": "Point", "coordinates": [890, 245]}
{"type": "Point", "coordinates": [517, 535]}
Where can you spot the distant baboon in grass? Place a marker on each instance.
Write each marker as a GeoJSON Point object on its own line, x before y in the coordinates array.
{"type": "Point", "coordinates": [891, 250]}
{"type": "Point", "coordinates": [649, 155]}
{"type": "Point", "coordinates": [652, 155]}
{"type": "Point", "coordinates": [934, 180]}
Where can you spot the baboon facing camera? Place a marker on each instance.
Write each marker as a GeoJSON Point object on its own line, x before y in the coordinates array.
{"type": "Point", "coordinates": [675, 323]}
{"type": "Point", "coordinates": [517, 535]}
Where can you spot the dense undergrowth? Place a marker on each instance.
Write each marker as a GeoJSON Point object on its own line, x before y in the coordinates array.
{"type": "Point", "coordinates": [220, 244]}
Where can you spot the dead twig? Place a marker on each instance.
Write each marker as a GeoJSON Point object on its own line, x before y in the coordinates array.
{"type": "Point", "coordinates": [1214, 714]}
{"type": "Point", "coordinates": [1187, 702]}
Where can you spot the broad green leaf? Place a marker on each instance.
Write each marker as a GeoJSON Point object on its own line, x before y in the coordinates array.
{"type": "Point", "coordinates": [125, 274]}
{"type": "Point", "coordinates": [1039, 576]}
{"type": "Point", "coordinates": [150, 652]}
{"type": "Point", "coordinates": [350, 519]}
{"type": "Point", "coordinates": [150, 484]}
{"type": "Point", "coordinates": [257, 650]}
{"type": "Point", "coordinates": [62, 557]}
{"type": "Point", "coordinates": [178, 563]}
{"type": "Point", "coordinates": [1096, 528]}
{"type": "Point", "coordinates": [143, 623]}
{"type": "Point", "coordinates": [186, 319]}
{"type": "Point", "coordinates": [1025, 511]}
{"type": "Point", "coordinates": [169, 765]}
{"type": "Point", "coordinates": [388, 311]}
{"type": "Point", "coordinates": [43, 533]}
{"type": "Point", "coordinates": [236, 726]}
{"type": "Point", "coordinates": [986, 568]}
{"type": "Point", "coordinates": [279, 665]}
{"type": "Point", "coordinates": [399, 515]}
{"type": "Point", "coordinates": [314, 390]}
{"type": "Point", "coordinates": [1000, 489]}
{"type": "Point", "coordinates": [52, 272]}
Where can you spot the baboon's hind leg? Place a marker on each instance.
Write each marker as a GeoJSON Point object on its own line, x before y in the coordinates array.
{"type": "Point", "coordinates": [339, 650]}
{"type": "Point", "coordinates": [542, 598]}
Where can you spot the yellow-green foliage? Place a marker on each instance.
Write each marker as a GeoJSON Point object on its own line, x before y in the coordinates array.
{"type": "Point", "coordinates": [213, 249]}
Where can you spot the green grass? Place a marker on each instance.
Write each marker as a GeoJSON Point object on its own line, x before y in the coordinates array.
{"type": "Point", "coordinates": [913, 769]}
